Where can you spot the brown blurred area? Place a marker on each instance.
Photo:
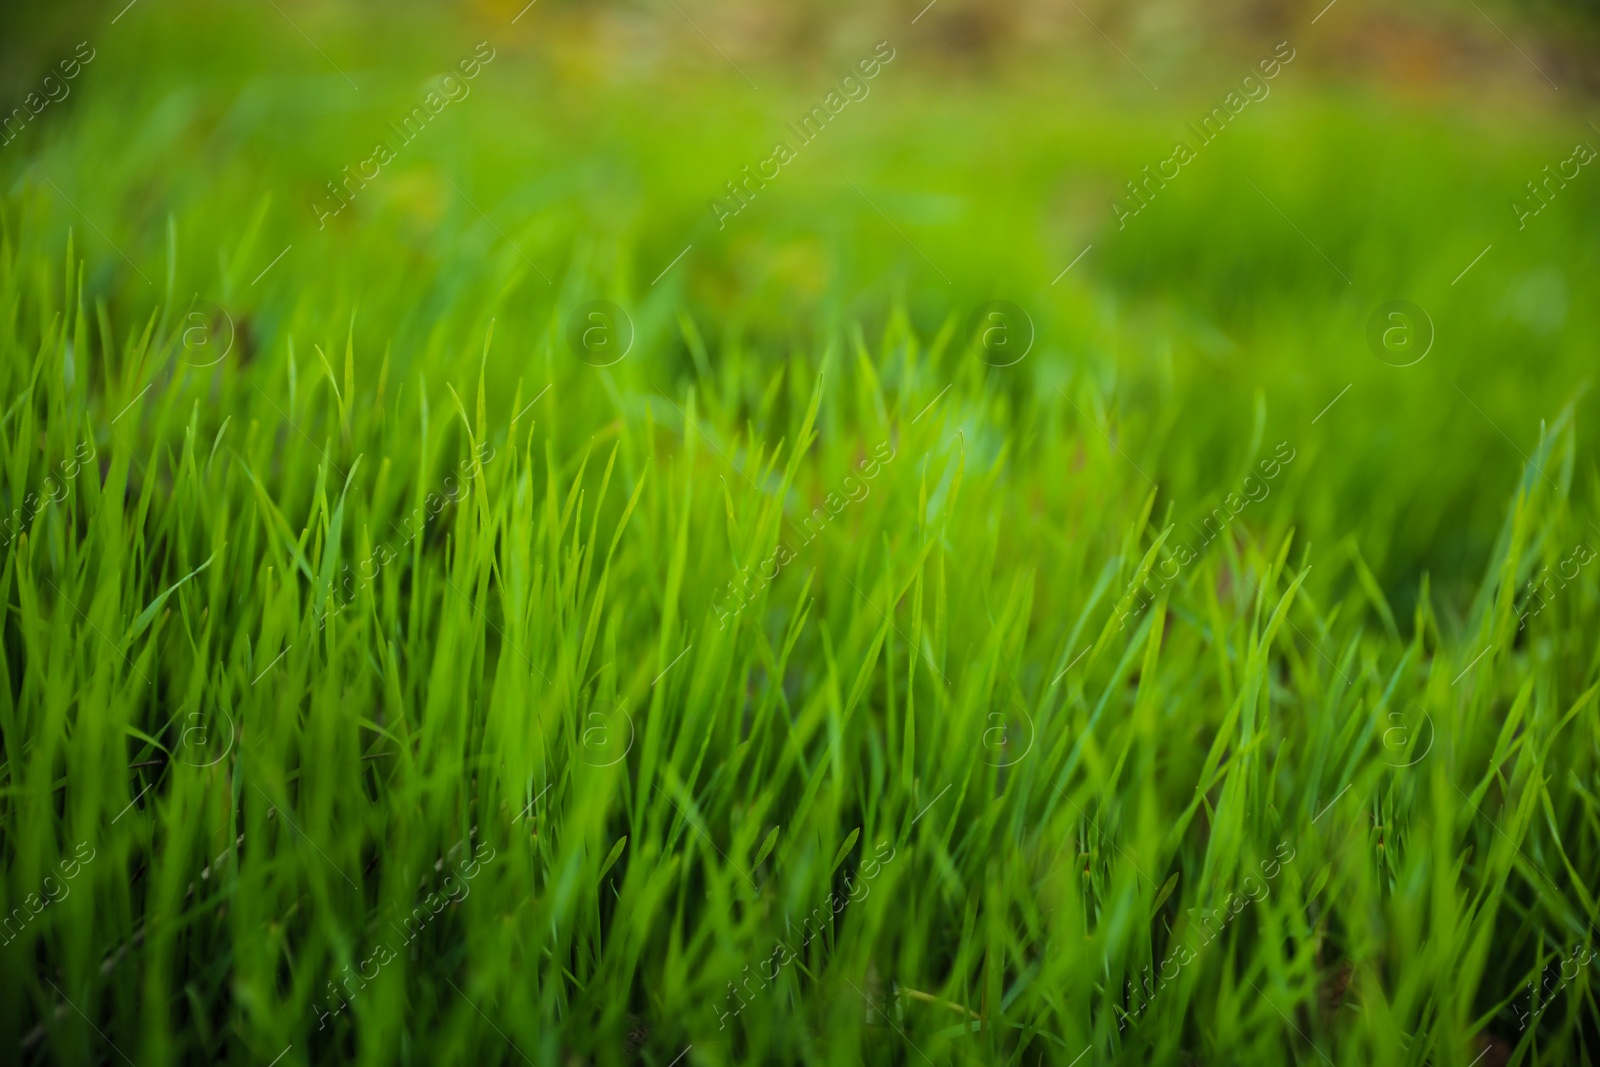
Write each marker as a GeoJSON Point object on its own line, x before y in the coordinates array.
{"type": "Point", "coordinates": [1418, 47]}
{"type": "Point", "coordinates": [1424, 46]}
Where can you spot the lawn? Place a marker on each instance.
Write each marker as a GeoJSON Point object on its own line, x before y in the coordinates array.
{"type": "Point", "coordinates": [610, 534]}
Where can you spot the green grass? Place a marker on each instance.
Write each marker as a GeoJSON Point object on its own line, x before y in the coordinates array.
{"type": "Point", "coordinates": [400, 642]}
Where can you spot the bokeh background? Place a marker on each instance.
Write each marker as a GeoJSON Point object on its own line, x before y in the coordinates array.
{"type": "Point", "coordinates": [983, 162]}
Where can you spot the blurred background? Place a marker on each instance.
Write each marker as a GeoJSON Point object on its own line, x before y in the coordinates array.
{"type": "Point", "coordinates": [201, 140]}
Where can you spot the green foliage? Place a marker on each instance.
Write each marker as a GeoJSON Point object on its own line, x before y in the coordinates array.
{"type": "Point", "coordinates": [801, 688]}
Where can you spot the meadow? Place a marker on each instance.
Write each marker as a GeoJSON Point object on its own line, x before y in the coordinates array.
{"type": "Point", "coordinates": [474, 596]}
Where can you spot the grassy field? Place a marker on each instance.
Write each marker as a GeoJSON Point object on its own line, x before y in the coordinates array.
{"type": "Point", "coordinates": [478, 589]}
